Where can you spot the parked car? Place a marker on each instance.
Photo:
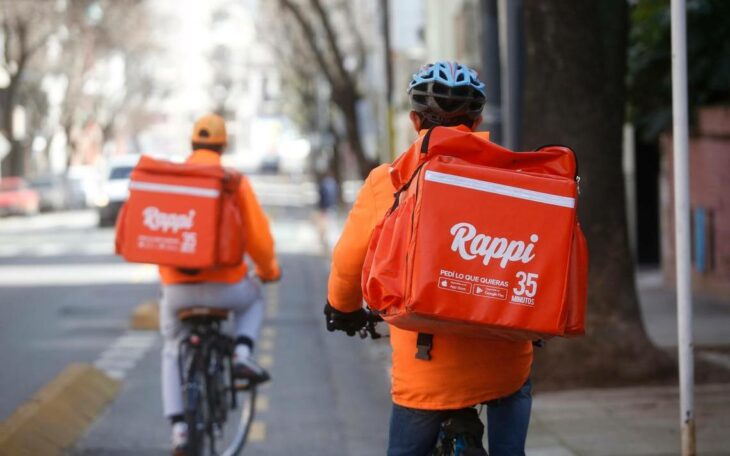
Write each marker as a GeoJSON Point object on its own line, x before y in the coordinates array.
{"type": "Point", "coordinates": [17, 198]}
{"type": "Point", "coordinates": [53, 191]}
{"type": "Point", "coordinates": [115, 190]}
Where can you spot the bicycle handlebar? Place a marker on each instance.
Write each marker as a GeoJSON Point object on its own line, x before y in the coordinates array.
{"type": "Point", "coordinates": [369, 329]}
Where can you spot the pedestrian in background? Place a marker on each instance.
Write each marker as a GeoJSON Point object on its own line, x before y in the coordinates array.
{"type": "Point", "coordinates": [327, 203]}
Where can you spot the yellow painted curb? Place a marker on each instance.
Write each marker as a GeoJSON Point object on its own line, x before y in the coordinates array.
{"type": "Point", "coordinates": [58, 414]}
{"type": "Point", "coordinates": [146, 316]}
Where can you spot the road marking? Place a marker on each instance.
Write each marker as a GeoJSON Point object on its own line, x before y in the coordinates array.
{"type": "Point", "coordinates": [267, 344]}
{"type": "Point", "coordinates": [143, 272]}
{"type": "Point", "coordinates": [116, 374]}
{"type": "Point", "coordinates": [118, 354]}
{"type": "Point", "coordinates": [124, 353]}
{"type": "Point", "coordinates": [59, 413]}
{"type": "Point", "coordinates": [272, 301]}
{"type": "Point", "coordinates": [257, 432]}
{"type": "Point", "coordinates": [12, 251]}
{"type": "Point", "coordinates": [272, 311]}
{"type": "Point", "coordinates": [266, 361]}
{"type": "Point", "coordinates": [268, 331]}
{"type": "Point", "coordinates": [115, 364]}
{"type": "Point", "coordinates": [68, 275]}
{"type": "Point", "coordinates": [52, 250]}
{"type": "Point", "coordinates": [262, 403]}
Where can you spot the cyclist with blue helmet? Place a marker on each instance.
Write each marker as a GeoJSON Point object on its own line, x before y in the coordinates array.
{"type": "Point", "coordinates": [460, 371]}
{"type": "Point", "coordinates": [446, 94]}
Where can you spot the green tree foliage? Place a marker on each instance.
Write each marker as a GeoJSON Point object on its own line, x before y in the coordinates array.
{"type": "Point", "coordinates": [649, 65]}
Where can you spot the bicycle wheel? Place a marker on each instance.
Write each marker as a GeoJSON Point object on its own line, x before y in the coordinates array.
{"type": "Point", "coordinates": [240, 424]}
{"type": "Point", "coordinates": [232, 434]}
{"type": "Point", "coordinates": [195, 411]}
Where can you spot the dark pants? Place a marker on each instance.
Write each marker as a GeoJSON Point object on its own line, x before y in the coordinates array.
{"type": "Point", "coordinates": [414, 432]}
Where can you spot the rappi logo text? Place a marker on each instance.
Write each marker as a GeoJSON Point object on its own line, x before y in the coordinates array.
{"type": "Point", "coordinates": [156, 220]}
{"type": "Point", "coordinates": [470, 244]}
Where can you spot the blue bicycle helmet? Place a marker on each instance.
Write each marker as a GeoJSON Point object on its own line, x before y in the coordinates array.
{"type": "Point", "coordinates": [447, 93]}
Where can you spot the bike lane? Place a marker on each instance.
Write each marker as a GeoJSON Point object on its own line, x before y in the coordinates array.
{"type": "Point", "coordinates": [329, 394]}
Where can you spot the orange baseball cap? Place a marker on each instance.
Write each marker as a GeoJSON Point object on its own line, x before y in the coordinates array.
{"type": "Point", "coordinates": [210, 129]}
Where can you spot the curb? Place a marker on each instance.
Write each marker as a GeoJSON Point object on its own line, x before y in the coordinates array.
{"type": "Point", "coordinates": [146, 316]}
{"type": "Point", "coordinates": [58, 413]}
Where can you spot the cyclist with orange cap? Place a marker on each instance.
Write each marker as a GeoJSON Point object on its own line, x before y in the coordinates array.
{"type": "Point", "coordinates": [462, 371]}
{"type": "Point", "coordinates": [220, 287]}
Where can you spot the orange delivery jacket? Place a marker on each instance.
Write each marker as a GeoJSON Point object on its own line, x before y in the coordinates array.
{"type": "Point", "coordinates": [259, 242]}
{"type": "Point", "coordinates": [463, 371]}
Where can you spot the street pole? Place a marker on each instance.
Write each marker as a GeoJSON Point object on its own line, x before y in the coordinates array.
{"type": "Point", "coordinates": [681, 225]}
{"type": "Point", "coordinates": [510, 44]}
{"type": "Point", "coordinates": [385, 23]}
{"type": "Point", "coordinates": [490, 69]}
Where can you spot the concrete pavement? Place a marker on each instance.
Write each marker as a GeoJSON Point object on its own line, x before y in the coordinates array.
{"type": "Point", "coordinates": [626, 421]}
{"type": "Point", "coordinates": [642, 420]}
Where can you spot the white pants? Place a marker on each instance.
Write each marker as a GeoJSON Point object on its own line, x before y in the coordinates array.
{"type": "Point", "coordinates": [243, 298]}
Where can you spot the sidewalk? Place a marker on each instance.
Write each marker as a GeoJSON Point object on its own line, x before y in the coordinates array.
{"type": "Point", "coordinates": [642, 420]}
{"type": "Point", "coordinates": [626, 421]}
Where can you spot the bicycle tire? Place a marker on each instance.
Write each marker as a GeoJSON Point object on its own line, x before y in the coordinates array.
{"type": "Point", "coordinates": [195, 412]}
{"type": "Point", "coordinates": [243, 428]}
{"type": "Point", "coordinates": [219, 364]}
{"type": "Point", "coordinates": [206, 376]}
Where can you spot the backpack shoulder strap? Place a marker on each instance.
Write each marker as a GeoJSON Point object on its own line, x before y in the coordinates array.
{"type": "Point", "coordinates": [424, 151]}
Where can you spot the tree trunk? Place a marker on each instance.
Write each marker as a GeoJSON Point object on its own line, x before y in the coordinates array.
{"type": "Point", "coordinates": [347, 103]}
{"type": "Point", "coordinates": [575, 95]}
{"type": "Point", "coordinates": [13, 163]}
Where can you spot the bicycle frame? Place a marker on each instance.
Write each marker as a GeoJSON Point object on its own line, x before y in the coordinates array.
{"type": "Point", "coordinates": [205, 355]}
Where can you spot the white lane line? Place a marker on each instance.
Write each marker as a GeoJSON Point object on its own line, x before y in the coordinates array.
{"type": "Point", "coordinates": [124, 353]}
{"type": "Point", "coordinates": [62, 247]}
{"type": "Point", "coordinates": [134, 341]}
{"type": "Point", "coordinates": [13, 251]}
{"type": "Point", "coordinates": [75, 274]}
{"type": "Point", "coordinates": [121, 355]}
{"type": "Point", "coordinates": [116, 364]}
{"type": "Point", "coordinates": [115, 374]}
{"type": "Point", "coordinates": [49, 250]}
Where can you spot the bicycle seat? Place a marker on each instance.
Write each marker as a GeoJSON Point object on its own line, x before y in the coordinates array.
{"type": "Point", "coordinates": [203, 313]}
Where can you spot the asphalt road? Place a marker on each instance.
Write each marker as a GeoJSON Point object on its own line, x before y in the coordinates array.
{"type": "Point", "coordinates": [64, 297]}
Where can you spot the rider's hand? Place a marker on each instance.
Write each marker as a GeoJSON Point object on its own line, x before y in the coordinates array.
{"type": "Point", "coordinates": [350, 322]}
{"type": "Point", "coordinates": [271, 280]}
{"type": "Point", "coordinates": [274, 280]}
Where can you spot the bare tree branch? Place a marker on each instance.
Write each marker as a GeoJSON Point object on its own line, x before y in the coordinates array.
{"type": "Point", "coordinates": [8, 42]}
{"type": "Point", "coordinates": [359, 43]}
{"type": "Point", "coordinates": [331, 40]}
{"type": "Point", "coordinates": [311, 39]}
{"type": "Point", "coordinates": [40, 42]}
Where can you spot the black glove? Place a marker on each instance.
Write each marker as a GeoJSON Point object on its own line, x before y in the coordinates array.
{"type": "Point", "coordinates": [350, 322]}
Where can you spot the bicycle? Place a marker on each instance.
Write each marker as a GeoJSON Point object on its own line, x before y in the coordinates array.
{"type": "Point", "coordinates": [458, 435]}
{"type": "Point", "coordinates": [210, 390]}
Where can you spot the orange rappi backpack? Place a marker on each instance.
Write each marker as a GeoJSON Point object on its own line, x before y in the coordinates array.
{"type": "Point", "coordinates": [181, 215]}
{"type": "Point", "coordinates": [480, 241]}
